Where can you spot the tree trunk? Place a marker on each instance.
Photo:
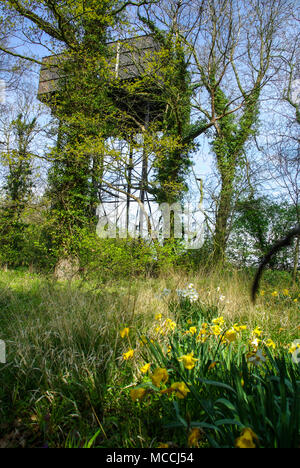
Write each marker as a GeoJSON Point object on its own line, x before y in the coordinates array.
{"type": "Point", "coordinates": [222, 217]}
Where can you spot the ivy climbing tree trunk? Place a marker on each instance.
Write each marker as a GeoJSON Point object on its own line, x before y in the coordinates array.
{"type": "Point", "coordinates": [228, 146]}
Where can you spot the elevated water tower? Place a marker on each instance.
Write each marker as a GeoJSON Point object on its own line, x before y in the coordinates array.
{"type": "Point", "coordinates": [130, 60]}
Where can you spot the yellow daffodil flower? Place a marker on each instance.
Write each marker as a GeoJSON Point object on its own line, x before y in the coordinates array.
{"type": "Point", "coordinates": [160, 375]}
{"type": "Point", "coordinates": [218, 321]}
{"type": "Point", "coordinates": [293, 347]}
{"type": "Point", "coordinates": [230, 335]}
{"type": "Point", "coordinates": [180, 389]}
{"type": "Point", "coordinates": [129, 354]}
{"type": "Point", "coordinates": [257, 331]}
{"type": "Point", "coordinates": [124, 332]}
{"type": "Point", "coordinates": [270, 343]}
{"type": "Point", "coordinates": [216, 329]}
{"type": "Point", "coordinates": [170, 324]}
{"type": "Point", "coordinates": [239, 328]}
{"type": "Point", "coordinates": [246, 439]}
{"type": "Point", "coordinates": [145, 368]}
{"type": "Point", "coordinates": [137, 393]}
{"type": "Point", "coordinates": [188, 360]}
{"type": "Point", "coordinates": [194, 437]}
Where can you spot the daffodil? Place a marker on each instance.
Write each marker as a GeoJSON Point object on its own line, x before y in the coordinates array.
{"type": "Point", "coordinates": [257, 331]}
{"type": "Point", "coordinates": [124, 332]}
{"type": "Point", "coordinates": [239, 328]}
{"type": "Point", "coordinates": [180, 389]}
{"type": "Point", "coordinates": [246, 439]}
{"type": "Point", "coordinates": [170, 324]}
{"type": "Point", "coordinates": [270, 343]}
{"type": "Point", "coordinates": [160, 375]}
{"type": "Point", "coordinates": [192, 330]}
{"type": "Point", "coordinates": [216, 329]}
{"type": "Point", "coordinates": [274, 293]}
{"type": "Point", "coordinates": [194, 437]}
{"type": "Point", "coordinates": [230, 335]}
{"type": "Point", "coordinates": [202, 336]}
{"type": "Point", "coordinates": [188, 360]}
{"type": "Point", "coordinates": [293, 347]}
{"type": "Point", "coordinates": [137, 393]}
{"type": "Point", "coordinates": [285, 292]}
{"type": "Point", "coordinates": [129, 354]}
{"type": "Point", "coordinates": [218, 321]}
{"type": "Point", "coordinates": [145, 368]}
{"type": "Point", "coordinates": [158, 317]}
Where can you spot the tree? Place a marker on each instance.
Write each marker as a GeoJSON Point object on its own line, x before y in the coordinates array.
{"type": "Point", "coordinates": [17, 159]}
{"type": "Point", "coordinates": [215, 59]}
{"type": "Point", "coordinates": [281, 146]}
{"type": "Point", "coordinates": [229, 45]}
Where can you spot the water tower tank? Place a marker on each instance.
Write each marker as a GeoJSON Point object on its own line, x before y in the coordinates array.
{"type": "Point", "coordinates": [131, 60]}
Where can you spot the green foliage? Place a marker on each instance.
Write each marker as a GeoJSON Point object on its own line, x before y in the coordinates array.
{"type": "Point", "coordinates": [171, 168]}
{"type": "Point", "coordinates": [259, 223]}
{"type": "Point", "coordinates": [226, 391]}
{"type": "Point", "coordinates": [19, 183]}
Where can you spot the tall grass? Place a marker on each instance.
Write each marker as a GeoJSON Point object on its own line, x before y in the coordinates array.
{"type": "Point", "coordinates": [65, 377]}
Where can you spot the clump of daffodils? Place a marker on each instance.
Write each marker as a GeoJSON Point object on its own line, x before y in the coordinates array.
{"type": "Point", "coordinates": [164, 326]}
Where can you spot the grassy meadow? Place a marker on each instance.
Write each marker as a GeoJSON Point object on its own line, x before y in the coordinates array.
{"type": "Point", "coordinates": [177, 360]}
